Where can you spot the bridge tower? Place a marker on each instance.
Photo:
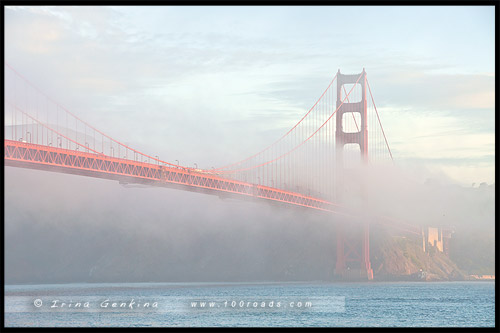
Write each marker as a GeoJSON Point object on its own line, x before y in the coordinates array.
{"type": "Point", "coordinates": [353, 244]}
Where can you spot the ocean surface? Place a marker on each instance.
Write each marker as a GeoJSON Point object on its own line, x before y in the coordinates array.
{"type": "Point", "coordinates": [400, 304]}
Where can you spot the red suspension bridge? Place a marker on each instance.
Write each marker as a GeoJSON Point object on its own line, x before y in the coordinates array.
{"type": "Point", "coordinates": [305, 167]}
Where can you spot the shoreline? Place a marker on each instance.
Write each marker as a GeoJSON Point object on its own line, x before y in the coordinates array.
{"type": "Point", "coordinates": [242, 283]}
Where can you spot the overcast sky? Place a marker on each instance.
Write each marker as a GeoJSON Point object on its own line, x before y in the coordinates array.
{"type": "Point", "coordinates": [212, 85]}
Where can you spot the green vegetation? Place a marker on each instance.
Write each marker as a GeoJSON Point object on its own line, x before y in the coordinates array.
{"type": "Point", "coordinates": [474, 253]}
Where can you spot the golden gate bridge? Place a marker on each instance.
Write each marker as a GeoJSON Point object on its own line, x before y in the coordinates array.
{"type": "Point", "coordinates": [306, 167]}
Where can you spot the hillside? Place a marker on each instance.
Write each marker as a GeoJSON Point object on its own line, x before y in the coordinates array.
{"type": "Point", "coordinates": [402, 258]}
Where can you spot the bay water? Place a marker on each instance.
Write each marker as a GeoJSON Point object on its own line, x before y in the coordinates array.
{"type": "Point", "coordinates": [317, 304]}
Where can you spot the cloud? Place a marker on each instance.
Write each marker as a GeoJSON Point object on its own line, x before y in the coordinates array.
{"type": "Point", "coordinates": [35, 36]}
{"type": "Point", "coordinates": [427, 91]}
{"type": "Point", "coordinates": [477, 99]}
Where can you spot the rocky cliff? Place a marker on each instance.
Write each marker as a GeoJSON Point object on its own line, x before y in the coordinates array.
{"type": "Point", "coordinates": [396, 257]}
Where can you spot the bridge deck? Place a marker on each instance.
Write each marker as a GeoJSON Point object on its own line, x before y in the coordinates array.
{"type": "Point", "coordinates": [34, 156]}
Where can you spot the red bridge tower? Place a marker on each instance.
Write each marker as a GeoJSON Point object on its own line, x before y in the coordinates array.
{"type": "Point", "coordinates": [353, 245]}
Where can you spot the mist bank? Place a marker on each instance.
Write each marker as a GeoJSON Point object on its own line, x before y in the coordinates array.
{"type": "Point", "coordinates": [65, 228]}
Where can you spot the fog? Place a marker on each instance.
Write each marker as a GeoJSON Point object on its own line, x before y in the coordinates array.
{"type": "Point", "coordinates": [64, 228]}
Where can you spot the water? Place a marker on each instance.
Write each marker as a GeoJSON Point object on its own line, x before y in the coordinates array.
{"type": "Point", "coordinates": [404, 304]}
